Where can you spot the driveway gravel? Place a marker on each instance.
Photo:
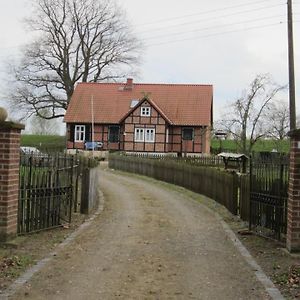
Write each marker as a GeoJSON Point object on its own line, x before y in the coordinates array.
{"type": "Point", "coordinates": [150, 242]}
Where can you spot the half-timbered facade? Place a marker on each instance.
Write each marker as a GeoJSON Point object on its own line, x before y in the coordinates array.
{"type": "Point", "coordinates": [153, 118]}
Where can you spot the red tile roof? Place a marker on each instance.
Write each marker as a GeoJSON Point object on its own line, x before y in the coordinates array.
{"type": "Point", "coordinates": [152, 103]}
{"type": "Point", "coordinates": [181, 104]}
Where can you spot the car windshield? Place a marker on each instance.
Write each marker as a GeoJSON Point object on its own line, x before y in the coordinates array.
{"type": "Point", "coordinates": [30, 150]}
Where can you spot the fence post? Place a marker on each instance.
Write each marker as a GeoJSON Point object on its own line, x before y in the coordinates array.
{"type": "Point", "coordinates": [85, 191]}
{"type": "Point", "coordinates": [235, 194]}
{"type": "Point", "coordinates": [10, 134]}
{"type": "Point", "coordinates": [293, 219]}
{"type": "Point", "coordinates": [77, 174]}
{"type": "Point", "coordinates": [72, 186]}
{"type": "Point", "coordinates": [250, 189]}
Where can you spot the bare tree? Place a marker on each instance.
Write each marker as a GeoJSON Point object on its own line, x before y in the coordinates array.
{"type": "Point", "coordinates": [245, 120]}
{"type": "Point", "coordinates": [75, 41]}
{"type": "Point", "coordinates": [278, 123]}
{"type": "Point", "coordinates": [278, 120]}
{"type": "Point", "coordinates": [43, 126]}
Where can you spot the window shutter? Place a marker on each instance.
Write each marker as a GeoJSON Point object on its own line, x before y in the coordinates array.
{"type": "Point", "coordinates": [188, 134]}
{"type": "Point", "coordinates": [88, 133]}
{"type": "Point", "coordinates": [72, 132]}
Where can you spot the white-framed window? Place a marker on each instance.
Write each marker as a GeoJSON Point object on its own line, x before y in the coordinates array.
{"type": "Point", "coordinates": [139, 134]}
{"type": "Point", "coordinates": [79, 134]}
{"type": "Point", "coordinates": [145, 111]}
{"type": "Point", "coordinates": [144, 135]}
{"type": "Point", "coordinates": [149, 135]}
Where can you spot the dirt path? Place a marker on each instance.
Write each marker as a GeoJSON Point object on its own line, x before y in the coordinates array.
{"type": "Point", "coordinates": [149, 243]}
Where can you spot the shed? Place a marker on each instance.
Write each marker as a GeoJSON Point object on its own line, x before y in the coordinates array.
{"type": "Point", "coordinates": [235, 161]}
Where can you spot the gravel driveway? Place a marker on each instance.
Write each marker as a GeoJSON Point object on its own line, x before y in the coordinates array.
{"type": "Point", "coordinates": [149, 243]}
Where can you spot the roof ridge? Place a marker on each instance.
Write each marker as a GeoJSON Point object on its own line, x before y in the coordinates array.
{"type": "Point", "coordinates": [176, 84]}
{"type": "Point", "coordinates": [124, 83]}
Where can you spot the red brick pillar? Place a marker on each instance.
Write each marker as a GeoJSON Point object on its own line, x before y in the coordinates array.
{"type": "Point", "coordinates": [9, 178]}
{"type": "Point", "coordinates": [293, 219]}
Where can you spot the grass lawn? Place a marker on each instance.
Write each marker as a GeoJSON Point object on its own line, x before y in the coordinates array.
{"type": "Point", "coordinates": [262, 145]}
{"type": "Point", "coordinates": [44, 142]}
{"type": "Point", "coordinates": [56, 142]}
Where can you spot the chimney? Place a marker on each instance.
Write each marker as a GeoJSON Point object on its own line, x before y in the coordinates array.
{"type": "Point", "coordinates": [129, 84]}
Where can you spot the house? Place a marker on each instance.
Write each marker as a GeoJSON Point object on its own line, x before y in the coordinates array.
{"type": "Point", "coordinates": [134, 117]}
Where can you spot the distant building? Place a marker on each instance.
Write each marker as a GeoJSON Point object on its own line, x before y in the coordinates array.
{"type": "Point", "coordinates": [134, 117]}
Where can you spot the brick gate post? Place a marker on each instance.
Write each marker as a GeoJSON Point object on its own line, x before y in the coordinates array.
{"type": "Point", "coordinates": [293, 218]}
{"type": "Point", "coordinates": [10, 134]}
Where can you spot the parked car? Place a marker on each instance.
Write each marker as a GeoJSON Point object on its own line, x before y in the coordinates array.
{"type": "Point", "coordinates": [93, 145]}
{"type": "Point", "coordinates": [35, 156]}
{"type": "Point", "coordinates": [30, 150]}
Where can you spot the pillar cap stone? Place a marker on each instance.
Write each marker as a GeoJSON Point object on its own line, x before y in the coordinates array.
{"type": "Point", "coordinates": [11, 125]}
{"type": "Point", "coordinates": [3, 114]}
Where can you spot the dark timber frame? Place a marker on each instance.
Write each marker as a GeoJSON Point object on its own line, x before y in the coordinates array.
{"type": "Point", "coordinates": [168, 136]}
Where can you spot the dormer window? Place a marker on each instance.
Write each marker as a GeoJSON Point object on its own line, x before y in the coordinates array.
{"type": "Point", "coordinates": [145, 111]}
{"type": "Point", "coordinates": [134, 102]}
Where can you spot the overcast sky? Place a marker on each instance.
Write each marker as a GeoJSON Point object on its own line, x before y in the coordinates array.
{"type": "Point", "coordinates": [224, 43]}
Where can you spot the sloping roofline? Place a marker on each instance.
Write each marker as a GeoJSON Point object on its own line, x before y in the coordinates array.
{"type": "Point", "coordinates": [152, 103]}
{"type": "Point", "coordinates": [162, 96]}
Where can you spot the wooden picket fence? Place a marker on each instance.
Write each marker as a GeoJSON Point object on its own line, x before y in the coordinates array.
{"type": "Point", "coordinates": [226, 187]}
{"type": "Point", "coordinates": [259, 197]}
{"type": "Point", "coordinates": [198, 160]}
{"type": "Point", "coordinates": [50, 186]}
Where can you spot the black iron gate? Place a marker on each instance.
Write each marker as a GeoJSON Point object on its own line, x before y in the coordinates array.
{"type": "Point", "coordinates": [46, 191]}
{"type": "Point", "coordinates": [269, 179]}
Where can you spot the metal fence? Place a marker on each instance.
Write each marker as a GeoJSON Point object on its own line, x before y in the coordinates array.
{"type": "Point", "coordinates": [268, 196]}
